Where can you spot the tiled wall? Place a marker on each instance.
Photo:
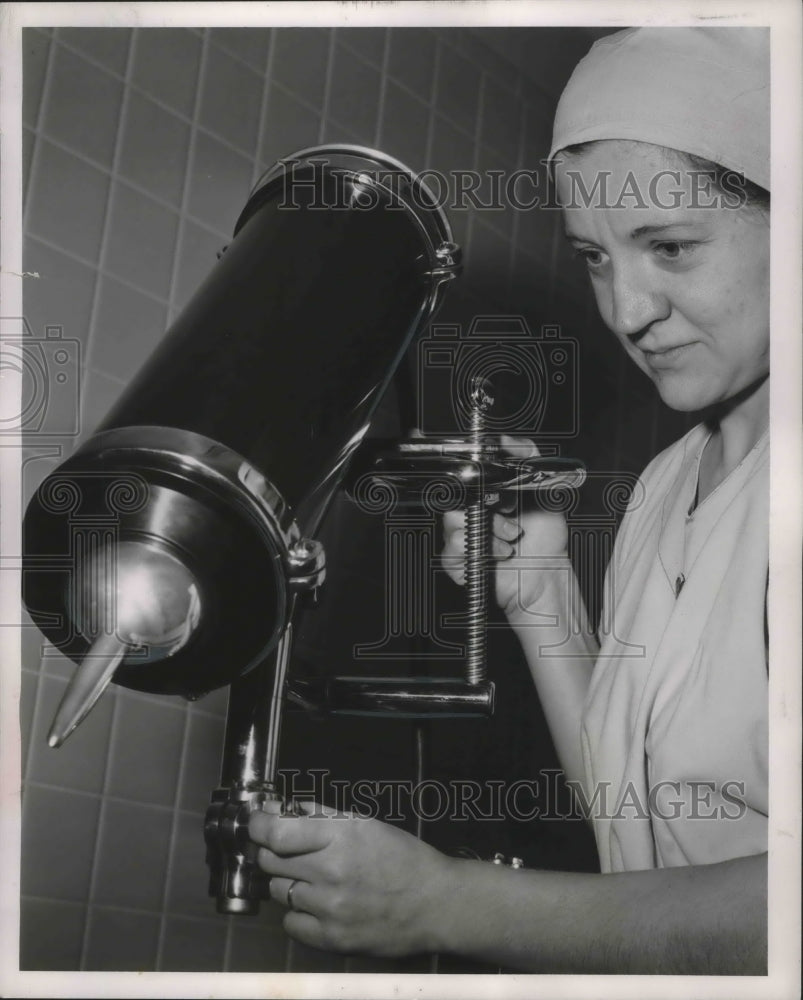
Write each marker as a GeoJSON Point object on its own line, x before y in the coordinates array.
{"type": "Point", "coordinates": [140, 148]}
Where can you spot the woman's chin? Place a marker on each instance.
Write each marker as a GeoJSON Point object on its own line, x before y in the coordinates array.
{"type": "Point", "coordinates": [683, 398]}
{"type": "Point", "coordinates": [690, 396]}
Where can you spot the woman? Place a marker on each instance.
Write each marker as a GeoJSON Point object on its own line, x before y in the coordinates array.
{"type": "Point", "coordinates": [662, 728]}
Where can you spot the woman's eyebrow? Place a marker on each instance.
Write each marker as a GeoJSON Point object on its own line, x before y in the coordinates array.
{"type": "Point", "coordinates": [651, 230]}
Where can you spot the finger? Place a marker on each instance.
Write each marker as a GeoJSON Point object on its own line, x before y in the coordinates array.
{"type": "Point", "coordinates": [455, 542]}
{"type": "Point", "coordinates": [278, 867]}
{"type": "Point", "coordinates": [506, 528]}
{"type": "Point", "coordinates": [309, 868]}
{"type": "Point", "coordinates": [278, 889]}
{"type": "Point", "coordinates": [317, 810]}
{"type": "Point", "coordinates": [455, 568]}
{"type": "Point", "coordinates": [322, 917]}
{"type": "Point", "coordinates": [288, 834]}
{"type": "Point", "coordinates": [453, 554]}
{"type": "Point", "coordinates": [302, 891]}
{"type": "Point", "coordinates": [306, 929]}
{"type": "Point", "coordinates": [453, 520]}
{"type": "Point", "coordinates": [280, 807]}
{"type": "Point", "coordinates": [508, 503]}
{"type": "Point", "coordinates": [502, 549]}
{"type": "Point", "coordinates": [452, 562]}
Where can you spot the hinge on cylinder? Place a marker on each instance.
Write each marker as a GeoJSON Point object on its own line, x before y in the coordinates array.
{"type": "Point", "coordinates": [306, 568]}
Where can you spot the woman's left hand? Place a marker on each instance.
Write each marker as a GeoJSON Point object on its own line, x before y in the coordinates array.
{"type": "Point", "coordinates": [359, 885]}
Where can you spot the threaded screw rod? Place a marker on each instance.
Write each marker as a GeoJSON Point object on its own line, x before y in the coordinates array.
{"type": "Point", "coordinates": [477, 539]}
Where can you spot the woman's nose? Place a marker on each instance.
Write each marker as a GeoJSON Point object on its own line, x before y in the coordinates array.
{"type": "Point", "coordinates": [636, 301]}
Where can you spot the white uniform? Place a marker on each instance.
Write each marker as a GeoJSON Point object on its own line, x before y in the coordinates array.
{"type": "Point", "coordinates": [675, 727]}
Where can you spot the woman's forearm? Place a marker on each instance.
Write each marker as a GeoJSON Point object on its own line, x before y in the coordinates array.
{"type": "Point", "coordinates": [560, 648]}
{"type": "Point", "coordinates": [707, 919]}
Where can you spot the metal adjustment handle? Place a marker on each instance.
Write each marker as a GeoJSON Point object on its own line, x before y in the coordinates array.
{"type": "Point", "coordinates": [247, 782]}
{"type": "Point", "coordinates": [476, 561]}
{"type": "Point", "coordinates": [474, 470]}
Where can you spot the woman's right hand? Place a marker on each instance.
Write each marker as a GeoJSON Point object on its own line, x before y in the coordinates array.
{"type": "Point", "coordinates": [526, 545]}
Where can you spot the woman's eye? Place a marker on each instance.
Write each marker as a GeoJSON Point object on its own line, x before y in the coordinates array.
{"type": "Point", "coordinates": [674, 249]}
{"type": "Point", "coordinates": [591, 257]}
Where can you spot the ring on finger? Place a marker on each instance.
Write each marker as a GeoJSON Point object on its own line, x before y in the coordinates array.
{"type": "Point", "coordinates": [290, 890]}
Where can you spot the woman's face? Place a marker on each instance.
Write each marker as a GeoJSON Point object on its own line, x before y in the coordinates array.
{"type": "Point", "coordinates": [682, 284]}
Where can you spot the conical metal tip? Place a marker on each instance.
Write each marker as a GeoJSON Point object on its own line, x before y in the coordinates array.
{"type": "Point", "coordinates": [153, 601]}
{"type": "Point", "coordinates": [87, 684]}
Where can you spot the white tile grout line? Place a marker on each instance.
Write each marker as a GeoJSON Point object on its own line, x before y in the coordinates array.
{"type": "Point", "coordinates": [123, 800]}
{"type": "Point", "coordinates": [140, 91]}
{"type": "Point", "coordinates": [171, 844]}
{"type": "Point", "coordinates": [93, 314]}
{"type": "Point", "coordinates": [430, 140]}
{"type": "Point", "coordinates": [41, 134]}
{"type": "Point", "coordinates": [327, 87]}
{"type": "Point", "coordinates": [110, 202]}
{"type": "Point", "coordinates": [288, 960]}
{"type": "Point", "coordinates": [188, 174]}
{"type": "Point", "coordinates": [220, 43]}
{"type": "Point", "coordinates": [267, 83]}
{"type": "Point", "coordinates": [355, 50]}
{"type": "Point", "coordinates": [343, 40]}
{"type": "Point", "coordinates": [185, 195]}
{"type": "Point", "coordinates": [35, 716]}
{"type": "Point", "coordinates": [383, 86]}
{"type": "Point", "coordinates": [40, 114]}
{"type": "Point", "coordinates": [118, 908]}
{"type": "Point", "coordinates": [102, 271]}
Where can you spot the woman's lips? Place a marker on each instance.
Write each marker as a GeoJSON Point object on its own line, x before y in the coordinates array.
{"type": "Point", "coordinates": [668, 357]}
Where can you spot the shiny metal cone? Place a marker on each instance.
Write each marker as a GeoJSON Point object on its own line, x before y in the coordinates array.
{"type": "Point", "coordinates": [87, 685]}
{"type": "Point", "coordinates": [143, 597]}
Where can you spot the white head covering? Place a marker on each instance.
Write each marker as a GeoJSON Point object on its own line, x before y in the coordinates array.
{"type": "Point", "coordinates": [704, 91]}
